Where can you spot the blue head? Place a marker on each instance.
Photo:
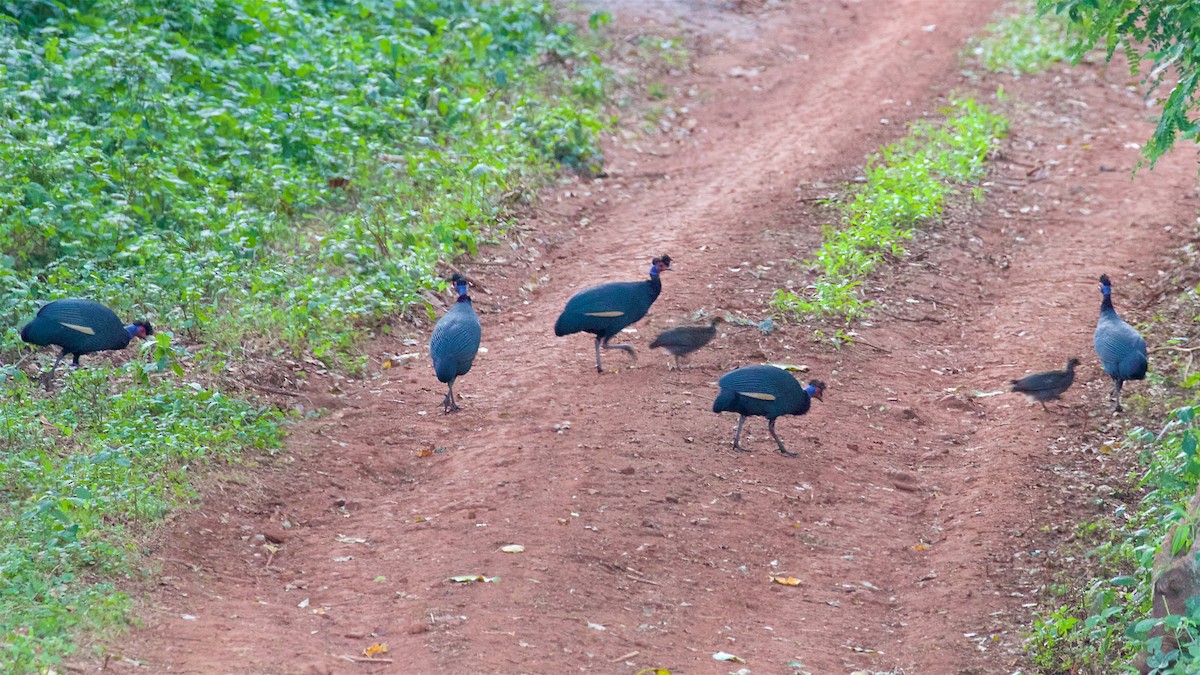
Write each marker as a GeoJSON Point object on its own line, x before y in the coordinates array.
{"type": "Point", "coordinates": [659, 264]}
{"type": "Point", "coordinates": [1105, 285]}
{"type": "Point", "coordinates": [139, 329]}
{"type": "Point", "coordinates": [816, 389]}
{"type": "Point", "coordinates": [460, 286]}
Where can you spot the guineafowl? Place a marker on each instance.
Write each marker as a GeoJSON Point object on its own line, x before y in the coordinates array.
{"type": "Point", "coordinates": [764, 391]}
{"type": "Point", "coordinates": [684, 340]}
{"type": "Point", "coordinates": [454, 342]}
{"type": "Point", "coordinates": [606, 309]}
{"type": "Point", "coordinates": [1121, 349]}
{"type": "Point", "coordinates": [1047, 386]}
{"type": "Point", "coordinates": [80, 327]}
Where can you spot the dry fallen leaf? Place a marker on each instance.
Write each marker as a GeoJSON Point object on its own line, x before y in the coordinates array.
{"type": "Point", "coordinates": [425, 452]}
{"type": "Point", "coordinates": [726, 656]}
{"type": "Point", "coordinates": [376, 649]}
{"type": "Point", "coordinates": [513, 548]}
{"type": "Point", "coordinates": [786, 581]}
{"type": "Point", "coordinates": [920, 547]}
{"type": "Point", "coordinates": [468, 578]}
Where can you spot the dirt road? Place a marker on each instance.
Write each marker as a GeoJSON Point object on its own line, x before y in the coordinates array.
{"type": "Point", "coordinates": [914, 514]}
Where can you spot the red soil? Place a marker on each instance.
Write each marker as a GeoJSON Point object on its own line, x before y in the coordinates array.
{"type": "Point", "coordinates": [913, 517]}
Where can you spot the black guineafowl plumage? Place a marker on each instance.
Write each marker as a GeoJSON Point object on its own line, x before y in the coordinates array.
{"type": "Point", "coordinates": [455, 342]}
{"type": "Point", "coordinates": [80, 327]}
{"type": "Point", "coordinates": [606, 309]}
{"type": "Point", "coordinates": [684, 340]}
{"type": "Point", "coordinates": [1121, 349]}
{"type": "Point", "coordinates": [764, 391]}
{"type": "Point", "coordinates": [1047, 386]}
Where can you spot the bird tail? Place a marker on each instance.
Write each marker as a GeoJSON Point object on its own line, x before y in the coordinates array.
{"type": "Point", "coordinates": [724, 400]}
{"type": "Point", "coordinates": [1134, 366]}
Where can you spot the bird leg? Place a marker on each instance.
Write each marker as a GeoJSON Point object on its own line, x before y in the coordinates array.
{"type": "Point", "coordinates": [448, 404]}
{"type": "Point", "coordinates": [625, 348]}
{"type": "Point", "coordinates": [677, 366]}
{"type": "Point", "coordinates": [598, 368]}
{"type": "Point", "coordinates": [1116, 394]}
{"type": "Point", "coordinates": [48, 376]}
{"type": "Point", "coordinates": [738, 434]}
{"type": "Point", "coordinates": [771, 428]}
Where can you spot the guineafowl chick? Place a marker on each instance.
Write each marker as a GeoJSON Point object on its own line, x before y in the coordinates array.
{"type": "Point", "coordinates": [764, 391]}
{"type": "Point", "coordinates": [455, 342]}
{"type": "Point", "coordinates": [1047, 386]}
{"type": "Point", "coordinates": [684, 340]}
{"type": "Point", "coordinates": [80, 327]}
{"type": "Point", "coordinates": [1121, 349]}
{"type": "Point", "coordinates": [605, 310]}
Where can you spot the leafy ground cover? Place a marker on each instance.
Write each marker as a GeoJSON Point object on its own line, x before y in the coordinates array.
{"type": "Point", "coordinates": [324, 155]}
{"type": "Point", "coordinates": [256, 177]}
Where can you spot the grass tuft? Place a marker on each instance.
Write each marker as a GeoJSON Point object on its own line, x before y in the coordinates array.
{"type": "Point", "coordinates": [1022, 42]}
{"type": "Point", "coordinates": [906, 184]}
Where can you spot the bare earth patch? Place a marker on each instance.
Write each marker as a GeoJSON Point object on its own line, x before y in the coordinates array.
{"type": "Point", "coordinates": [915, 513]}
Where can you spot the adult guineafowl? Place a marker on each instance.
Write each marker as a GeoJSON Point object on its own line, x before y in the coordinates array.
{"type": "Point", "coordinates": [684, 340]}
{"type": "Point", "coordinates": [606, 309]}
{"type": "Point", "coordinates": [454, 342]}
{"type": "Point", "coordinates": [80, 327]}
{"type": "Point", "coordinates": [1121, 349]}
{"type": "Point", "coordinates": [1047, 386]}
{"type": "Point", "coordinates": [764, 391]}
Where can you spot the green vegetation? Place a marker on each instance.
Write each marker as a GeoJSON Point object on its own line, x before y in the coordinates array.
{"type": "Point", "coordinates": [1022, 41]}
{"type": "Point", "coordinates": [325, 155]}
{"type": "Point", "coordinates": [111, 450]}
{"type": "Point", "coordinates": [907, 183]}
{"type": "Point", "coordinates": [256, 177]}
{"type": "Point", "coordinates": [1164, 32]}
{"type": "Point", "coordinates": [1109, 621]}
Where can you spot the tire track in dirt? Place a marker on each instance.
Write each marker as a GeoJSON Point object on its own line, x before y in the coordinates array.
{"type": "Point", "coordinates": [638, 519]}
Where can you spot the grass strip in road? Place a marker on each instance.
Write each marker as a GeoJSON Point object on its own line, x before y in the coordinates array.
{"type": "Point", "coordinates": [907, 183]}
{"type": "Point", "coordinates": [1022, 42]}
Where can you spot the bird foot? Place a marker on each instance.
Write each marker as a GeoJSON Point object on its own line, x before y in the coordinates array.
{"type": "Point", "coordinates": [786, 453]}
{"type": "Point", "coordinates": [449, 406]}
{"type": "Point", "coordinates": [739, 448]}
